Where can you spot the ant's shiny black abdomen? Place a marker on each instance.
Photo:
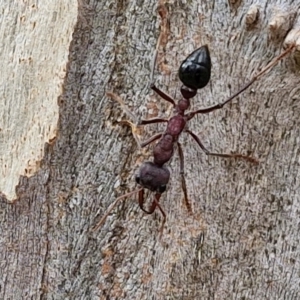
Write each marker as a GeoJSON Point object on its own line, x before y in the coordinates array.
{"type": "Point", "coordinates": [194, 71]}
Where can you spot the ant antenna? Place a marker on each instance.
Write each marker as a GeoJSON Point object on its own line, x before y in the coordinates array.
{"type": "Point", "coordinates": [112, 206]}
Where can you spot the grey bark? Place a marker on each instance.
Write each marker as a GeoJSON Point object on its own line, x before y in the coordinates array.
{"type": "Point", "coordinates": [242, 241]}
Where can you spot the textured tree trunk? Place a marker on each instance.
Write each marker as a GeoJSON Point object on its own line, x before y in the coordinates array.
{"type": "Point", "coordinates": [242, 241]}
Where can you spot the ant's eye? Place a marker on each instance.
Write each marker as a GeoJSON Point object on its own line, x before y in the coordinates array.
{"type": "Point", "coordinates": [162, 189]}
{"type": "Point", "coordinates": [137, 179]}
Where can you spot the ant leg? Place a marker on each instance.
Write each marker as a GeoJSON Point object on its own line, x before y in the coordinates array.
{"type": "Point", "coordinates": [155, 204]}
{"type": "Point", "coordinates": [162, 36]}
{"type": "Point", "coordinates": [129, 113]}
{"type": "Point", "coordinates": [183, 184]}
{"type": "Point", "coordinates": [162, 94]}
{"type": "Point", "coordinates": [157, 196]}
{"type": "Point", "coordinates": [134, 128]}
{"type": "Point", "coordinates": [113, 205]}
{"type": "Point", "coordinates": [152, 121]}
{"type": "Point", "coordinates": [255, 77]}
{"type": "Point", "coordinates": [141, 203]}
{"type": "Point", "coordinates": [237, 155]}
{"type": "Point", "coordinates": [152, 139]}
{"type": "Point", "coordinates": [118, 99]}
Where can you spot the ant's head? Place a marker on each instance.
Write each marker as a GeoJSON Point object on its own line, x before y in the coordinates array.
{"type": "Point", "coordinates": [194, 71]}
{"type": "Point", "coordinates": [153, 177]}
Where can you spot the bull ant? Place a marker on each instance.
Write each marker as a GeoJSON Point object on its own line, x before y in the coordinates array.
{"type": "Point", "coordinates": [194, 73]}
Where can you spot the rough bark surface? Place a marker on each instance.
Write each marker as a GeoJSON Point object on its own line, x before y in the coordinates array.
{"type": "Point", "coordinates": [242, 242]}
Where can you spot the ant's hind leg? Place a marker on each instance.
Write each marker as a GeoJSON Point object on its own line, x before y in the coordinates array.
{"type": "Point", "coordinates": [162, 94]}
{"type": "Point", "coordinates": [183, 183]}
{"type": "Point", "coordinates": [153, 87]}
{"type": "Point", "coordinates": [254, 78]}
{"type": "Point", "coordinates": [235, 155]}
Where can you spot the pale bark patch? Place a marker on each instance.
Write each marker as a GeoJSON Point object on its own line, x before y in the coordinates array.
{"type": "Point", "coordinates": [35, 46]}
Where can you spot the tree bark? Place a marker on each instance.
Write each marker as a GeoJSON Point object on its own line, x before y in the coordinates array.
{"type": "Point", "coordinates": [242, 241]}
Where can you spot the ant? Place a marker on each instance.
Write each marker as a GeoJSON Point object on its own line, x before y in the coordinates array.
{"type": "Point", "coordinates": [194, 73]}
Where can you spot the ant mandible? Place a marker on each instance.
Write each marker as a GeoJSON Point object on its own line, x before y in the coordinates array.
{"type": "Point", "coordinates": [194, 73]}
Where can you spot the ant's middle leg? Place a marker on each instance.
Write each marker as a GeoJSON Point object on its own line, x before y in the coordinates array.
{"type": "Point", "coordinates": [236, 155]}
{"type": "Point", "coordinates": [134, 128]}
{"type": "Point", "coordinates": [183, 183]}
{"type": "Point", "coordinates": [152, 121]}
{"type": "Point", "coordinates": [152, 139]}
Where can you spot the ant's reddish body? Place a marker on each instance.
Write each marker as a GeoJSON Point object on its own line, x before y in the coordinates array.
{"type": "Point", "coordinates": [194, 73]}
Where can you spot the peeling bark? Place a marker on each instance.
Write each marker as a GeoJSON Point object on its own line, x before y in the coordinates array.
{"type": "Point", "coordinates": [242, 241]}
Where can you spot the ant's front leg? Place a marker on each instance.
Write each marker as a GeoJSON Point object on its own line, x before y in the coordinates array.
{"type": "Point", "coordinates": [236, 155]}
{"type": "Point", "coordinates": [154, 204]}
